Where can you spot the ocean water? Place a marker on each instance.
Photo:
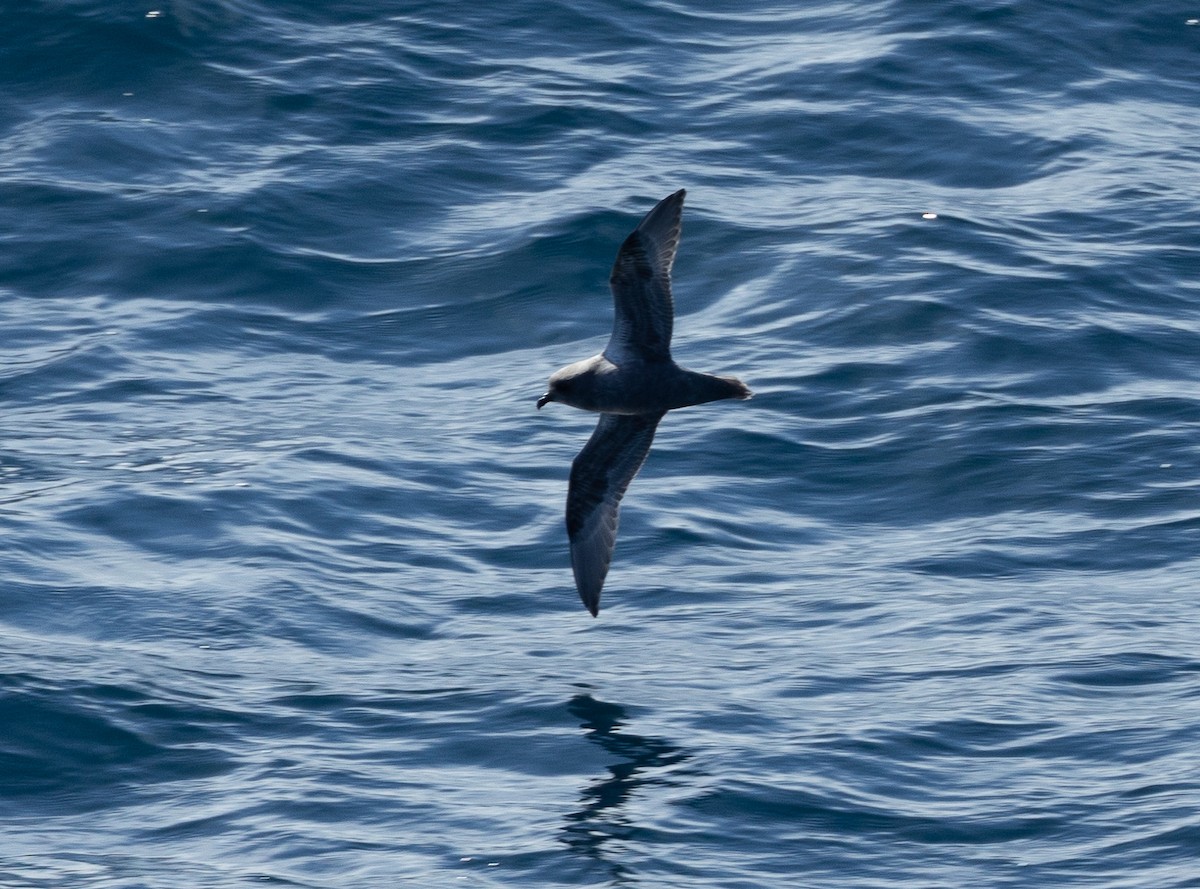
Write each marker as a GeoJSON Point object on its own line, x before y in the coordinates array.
{"type": "Point", "coordinates": [285, 596]}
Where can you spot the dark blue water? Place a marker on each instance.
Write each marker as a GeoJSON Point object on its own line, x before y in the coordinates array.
{"type": "Point", "coordinates": [284, 587]}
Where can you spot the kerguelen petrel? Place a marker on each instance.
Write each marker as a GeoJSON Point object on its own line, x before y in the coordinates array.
{"type": "Point", "coordinates": [631, 384]}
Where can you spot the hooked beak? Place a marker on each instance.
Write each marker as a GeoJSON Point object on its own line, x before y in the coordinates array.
{"type": "Point", "coordinates": [544, 400]}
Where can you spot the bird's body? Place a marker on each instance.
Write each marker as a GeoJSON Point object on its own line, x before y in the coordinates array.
{"type": "Point", "coordinates": [638, 387]}
{"type": "Point", "coordinates": [631, 384]}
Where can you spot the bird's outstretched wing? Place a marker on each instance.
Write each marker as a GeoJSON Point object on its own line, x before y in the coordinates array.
{"type": "Point", "coordinates": [599, 477]}
{"type": "Point", "coordinates": [641, 286]}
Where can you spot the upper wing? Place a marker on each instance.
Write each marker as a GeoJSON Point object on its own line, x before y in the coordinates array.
{"type": "Point", "coordinates": [599, 477]}
{"type": "Point", "coordinates": [641, 285]}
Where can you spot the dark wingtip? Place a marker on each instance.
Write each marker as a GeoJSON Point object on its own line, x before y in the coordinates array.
{"type": "Point", "coordinates": [663, 220]}
{"type": "Point", "coordinates": [591, 603]}
{"type": "Point", "coordinates": [675, 199]}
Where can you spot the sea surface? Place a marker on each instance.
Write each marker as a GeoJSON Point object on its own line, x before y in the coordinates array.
{"type": "Point", "coordinates": [285, 595]}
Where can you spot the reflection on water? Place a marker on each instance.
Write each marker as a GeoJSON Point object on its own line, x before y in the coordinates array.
{"type": "Point", "coordinates": [638, 761]}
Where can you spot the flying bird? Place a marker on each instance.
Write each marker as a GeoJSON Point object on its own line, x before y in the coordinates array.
{"type": "Point", "coordinates": [631, 384]}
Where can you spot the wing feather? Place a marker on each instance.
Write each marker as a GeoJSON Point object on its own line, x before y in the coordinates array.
{"type": "Point", "coordinates": [599, 477]}
{"type": "Point", "coordinates": [641, 286]}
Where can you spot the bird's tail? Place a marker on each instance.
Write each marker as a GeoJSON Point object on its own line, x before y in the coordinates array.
{"type": "Point", "coordinates": [705, 388]}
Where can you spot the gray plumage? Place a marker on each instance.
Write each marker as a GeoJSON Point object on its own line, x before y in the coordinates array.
{"type": "Point", "coordinates": [631, 384]}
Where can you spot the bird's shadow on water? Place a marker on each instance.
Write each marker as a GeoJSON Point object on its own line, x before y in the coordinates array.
{"type": "Point", "coordinates": [639, 761]}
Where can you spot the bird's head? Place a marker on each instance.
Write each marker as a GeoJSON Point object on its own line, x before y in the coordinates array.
{"type": "Point", "coordinates": [574, 385]}
{"type": "Point", "coordinates": [559, 390]}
